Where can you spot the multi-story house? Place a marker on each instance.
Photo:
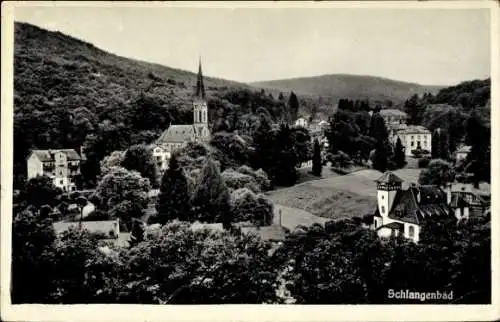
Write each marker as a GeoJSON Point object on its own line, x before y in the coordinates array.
{"type": "Point", "coordinates": [62, 166]}
{"type": "Point", "coordinates": [402, 212]}
{"type": "Point", "coordinates": [413, 137]}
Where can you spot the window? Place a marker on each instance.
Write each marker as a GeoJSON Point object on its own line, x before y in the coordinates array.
{"type": "Point", "coordinates": [61, 182]}
{"type": "Point", "coordinates": [383, 209]}
{"type": "Point", "coordinates": [412, 143]}
{"type": "Point", "coordinates": [382, 197]}
{"type": "Point", "coordinates": [411, 231]}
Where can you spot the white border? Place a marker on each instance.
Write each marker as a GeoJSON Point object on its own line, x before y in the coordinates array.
{"type": "Point", "coordinates": [237, 312]}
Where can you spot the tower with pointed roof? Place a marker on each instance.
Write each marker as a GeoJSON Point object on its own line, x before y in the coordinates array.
{"type": "Point", "coordinates": [387, 187]}
{"type": "Point", "coordinates": [200, 108]}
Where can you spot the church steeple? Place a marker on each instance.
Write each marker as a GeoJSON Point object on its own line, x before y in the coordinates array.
{"type": "Point", "coordinates": [200, 88]}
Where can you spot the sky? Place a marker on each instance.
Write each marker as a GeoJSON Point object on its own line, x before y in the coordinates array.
{"type": "Point", "coordinates": [425, 46]}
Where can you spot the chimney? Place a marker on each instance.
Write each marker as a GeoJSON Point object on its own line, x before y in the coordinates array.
{"type": "Point", "coordinates": [448, 193]}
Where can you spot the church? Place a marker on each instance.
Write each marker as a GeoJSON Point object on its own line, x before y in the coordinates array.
{"type": "Point", "coordinates": [178, 134]}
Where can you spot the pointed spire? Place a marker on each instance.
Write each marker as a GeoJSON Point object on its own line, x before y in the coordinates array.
{"type": "Point", "coordinates": [200, 88]}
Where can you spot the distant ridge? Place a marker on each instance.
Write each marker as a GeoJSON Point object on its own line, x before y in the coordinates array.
{"type": "Point", "coordinates": [337, 86]}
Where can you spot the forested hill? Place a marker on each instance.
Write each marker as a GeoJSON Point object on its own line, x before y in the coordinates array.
{"type": "Point", "coordinates": [68, 93]}
{"type": "Point", "coordinates": [352, 87]}
{"type": "Point", "coordinates": [67, 71]}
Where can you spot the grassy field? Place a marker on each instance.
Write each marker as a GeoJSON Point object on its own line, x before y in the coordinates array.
{"type": "Point", "coordinates": [337, 197]}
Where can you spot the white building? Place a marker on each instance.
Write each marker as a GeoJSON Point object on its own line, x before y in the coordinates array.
{"type": "Point", "coordinates": [302, 122]}
{"type": "Point", "coordinates": [401, 212]}
{"type": "Point", "coordinates": [62, 166]}
{"type": "Point", "coordinates": [413, 137]}
{"type": "Point", "coordinates": [462, 153]}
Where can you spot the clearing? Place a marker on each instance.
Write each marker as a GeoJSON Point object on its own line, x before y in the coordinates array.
{"type": "Point", "coordinates": [336, 197]}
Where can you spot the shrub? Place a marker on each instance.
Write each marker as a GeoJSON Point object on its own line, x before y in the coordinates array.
{"type": "Point", "coordinates": [236, 180]}
{"type": "Point", "coordinates": [419, 153]}
{"type": "Point", "coordinates": [246, 206]}
{"type": "Point", "coordinates": [341, 160]}
{"type": "Point", "coordinates": [260, 177]}
{"type": "Point", "coordinates": [423, 162]}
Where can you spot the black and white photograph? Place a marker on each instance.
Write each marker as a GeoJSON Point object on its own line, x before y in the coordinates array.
{"type": "Point", "coordinates": [213, 154]}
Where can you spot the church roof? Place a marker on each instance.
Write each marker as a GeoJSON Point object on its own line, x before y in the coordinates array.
{"type": "Point", "coordinates": [200, 87]}
{"type": "Point", "coordinates": [389, 177]}
{"type": "Point", "coordinates": [177, 134]}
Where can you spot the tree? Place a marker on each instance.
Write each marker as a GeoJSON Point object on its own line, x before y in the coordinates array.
{"type": "Point", "coordinates": [380, 158]}
{"type": "Point", "coordinates": [246, 206]}
{"type": "Point", "coordinates": [317, 164]}
{"type": "Point", "coordinates": [440, 144]}
{"type": "Point", "coordinates": [399, 154]}
{"type": "Point", "coordinates": [174, 199]}
{"type": "Point", "coordinates": [439, 172]}
{"type": "Point", "coordinates": [140, 158]}
{"type": "Point", "coordinates": [378, 130]}
{"type": "Point", "coordinates": [115, 159]}
{"type": "Point", "coordinates": [181, 265]}
{"type": "Point", "coordinates": [233, 148]}
{"type": "Point", "coordinates": [122, 193]}
{"type": "Point", "coordinates": [211, 196]}
{"type": "Point", "coordinates": [301, 143]}
{"type": "Point", "coordinates": [32, 238]}
{"type": "Point", "coordinates": [324, 269]}
{"type": "Point", "coordinates": [82, 271]}
{"type": "Point", "coordinates": [81, 203]}
{"type": "Point", "coordinates": [293, 106]}
{"type": "Point", "coordinates": [283, 158]}
{"type": "Point", "coordinates": [260, 177]}
{"type": "Point", "coordinates": [340, 160]}
{"type": "Point", "coordinates": [479, 138]}
{"type": "Point", "coordinates": [137, 233]}
{"type": "Point", "coordinates": [235, 180]}
{"type": "Point", "coordinates": [40, 191]}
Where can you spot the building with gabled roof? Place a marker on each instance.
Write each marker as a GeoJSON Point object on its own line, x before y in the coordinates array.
{"type": "Point", "coordinates": [61, 165]}
{"type": "Point", "coordinates": [178, 134]}
{"type": "Point", "coordinates": [393, 117]}
{"type": "Point", "coordinates": [401, 212]}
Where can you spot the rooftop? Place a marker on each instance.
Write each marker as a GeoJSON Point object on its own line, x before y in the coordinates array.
{"type": "Point", "coordinates": [392, 112]}
{"type": "Point", "coordinates": [414, 129]}
{"type": "Point", "coordinates": [177, 134]}
{"type": "Point", "coordinates": [389, 177]}
{"type": "Point", "coordinates": [48, 155]}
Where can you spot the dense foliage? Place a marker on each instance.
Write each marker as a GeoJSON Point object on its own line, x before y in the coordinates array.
{"type": "Point", "coordinates": [438, 172]}
{"type": "Point", "coordinates": [174, 200]}
{"type": "Point", "coordinates": [123, 194]}
{"type": "Point", "coordinates": [343, 263]}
